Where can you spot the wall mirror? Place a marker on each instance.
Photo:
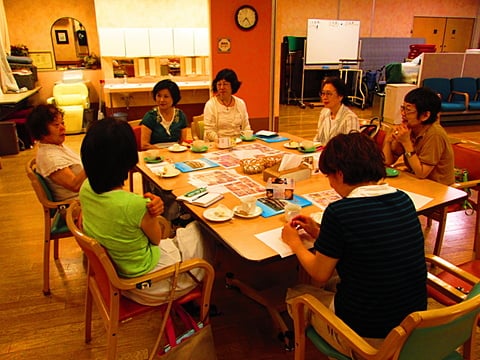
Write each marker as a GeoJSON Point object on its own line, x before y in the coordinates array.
{"type": "Point", "coordinates": [70, 45]}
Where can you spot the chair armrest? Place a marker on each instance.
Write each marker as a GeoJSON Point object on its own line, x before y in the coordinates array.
{"type": "Point", "coordinates": [466, 184]}
{"type": "Point", "coordinates": [165, 273]}
{"type": "Point", "coordinates": [336, 325]}
{"type": "Point", "coordinates": [441, 263]}
{"type": "Point", "coordinates": [466, 95]}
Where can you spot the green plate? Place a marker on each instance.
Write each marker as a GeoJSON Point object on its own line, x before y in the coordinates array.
{"type": "Point", "coordinates": [310, 150]}
{"type": "Point", "coordinates": [200, 149]}
{"type": "Point", "coordinates": [153, 160]}
{"type": "Point", "coordinates": [391, 172]}
{"type": "Point", "coordinates": [247, 139]}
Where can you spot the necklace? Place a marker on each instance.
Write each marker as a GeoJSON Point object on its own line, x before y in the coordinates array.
{"type": "Point", "coordinates": [227, 106]}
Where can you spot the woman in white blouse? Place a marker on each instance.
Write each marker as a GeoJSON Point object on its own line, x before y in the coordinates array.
{"type": "Point", "coordinates": [335, 118]}
{"type": "Point", "coordinates": [225, 115]}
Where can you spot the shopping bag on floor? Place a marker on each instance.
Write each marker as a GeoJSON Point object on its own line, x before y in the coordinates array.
{"type": "Point", "coordinates": [195, 341]}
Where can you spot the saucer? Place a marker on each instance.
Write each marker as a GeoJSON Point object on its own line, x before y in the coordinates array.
{"type": "Point", "coordinates": [237, 211]}
{"type": "Point", "coordinates": [309, 150]}
{"type": "Point", "coordinates": [178, 148]}
{"type": "Point", "coordinates": [153, 159]}
{"type": "Point", "coordinates": [200, 149]}
{"type": "Point", "coordinates": [391, 172]}
{"type": "Point", "coordinates": [247, 139]}
{"type": "Point", "coordinates": [213, 214]}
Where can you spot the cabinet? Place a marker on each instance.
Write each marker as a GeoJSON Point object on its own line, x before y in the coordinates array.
{"type": "Point", "coordinates": [137, 42]}
{"type": "Point", "coordinates": [447, 34]}
{"type": "Point", "coordinates": [394, 95]}
{"type": "Point", "coordinates": [161, 41]}
{"type": "Point", "coordinates": [149, 42]}
{"type": "Point", "coordinates": [112, 41]}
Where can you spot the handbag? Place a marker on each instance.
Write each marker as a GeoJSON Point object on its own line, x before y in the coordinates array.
{"type": "Point", "coordinates": [196, 342]}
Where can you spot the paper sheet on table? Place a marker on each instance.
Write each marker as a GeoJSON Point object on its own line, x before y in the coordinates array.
{"type": "Point", "coordinates": [273, 239]}
{"type": "Point", "coordinates": [290, 161]}
{"type": "Point", "coordinates": [418, 200]}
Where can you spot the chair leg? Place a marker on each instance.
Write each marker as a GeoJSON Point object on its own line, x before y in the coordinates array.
{"type": "Point", "coordinates": [88, 315]}
{"type": "Point", "coordinates": [55, 248]}
{"type": "Point", "coordinates": [46, 266]}
{"type": "Point", "coordinates": [442, 222]}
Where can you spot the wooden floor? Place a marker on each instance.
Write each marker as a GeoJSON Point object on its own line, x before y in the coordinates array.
{"type": "Point", "coordinates": [39, 327]}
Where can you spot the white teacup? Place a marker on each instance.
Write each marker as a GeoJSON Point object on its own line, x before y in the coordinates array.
{"type": "Point", "coordinates": [292, 210]}
{"type": "Point", "coordinates": [248, 205]}
{"type": "Point", "coordinates": [168, 169]}
{"type": "Point", "coordinates": [153, 154]}
{"type": "Point", "coordinates": [247, 134]}
{"type": "Point", "coordinates": [225, 142]}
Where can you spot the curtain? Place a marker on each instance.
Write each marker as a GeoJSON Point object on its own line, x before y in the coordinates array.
{"type": "Point", "coordinates": [7, 81]}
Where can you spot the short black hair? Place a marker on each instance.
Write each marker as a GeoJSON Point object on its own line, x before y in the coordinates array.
{"type": "Point", "coordinates": [171, 86]}
{"type": "Point", "coordinates": [356, 155]}
{"type": "Point", "coordinates": [425, 99]}
{"type": "Point", "coordinates": [108, 152]}
{"type": "Point", "coordinates": [39, 118]}
{"type": "Point", "coordinates": [227, 75]}
{"type": "Point", "coordinates": [340, 87]}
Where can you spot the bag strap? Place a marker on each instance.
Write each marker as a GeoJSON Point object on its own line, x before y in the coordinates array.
{"type": "Point", "coordinates": [166, 315]}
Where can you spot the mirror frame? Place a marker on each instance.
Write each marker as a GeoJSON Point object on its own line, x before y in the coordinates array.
{"type": "Point", "coordinates": [70, 44]}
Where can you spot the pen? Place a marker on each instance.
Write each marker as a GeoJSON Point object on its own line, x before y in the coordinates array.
{"type": "Point", "coordinates": [195, 192]}
{"type": "Point", "coordinates": [198, 197]}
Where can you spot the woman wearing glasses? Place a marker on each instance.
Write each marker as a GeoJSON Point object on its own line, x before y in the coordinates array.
{"type": "Point", "coordinates": [421, 139]}
{"type": "Point", "coordinates": [335, 118]}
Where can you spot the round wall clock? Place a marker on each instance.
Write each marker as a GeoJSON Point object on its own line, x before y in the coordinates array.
{"type": "Point", "coordinates": [246, 17]}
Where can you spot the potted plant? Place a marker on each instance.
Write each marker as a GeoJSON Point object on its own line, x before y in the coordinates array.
{"type": "Point", "coordinates": [91, 61]}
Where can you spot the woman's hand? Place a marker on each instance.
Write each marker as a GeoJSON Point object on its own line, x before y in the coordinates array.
{"type": "Point", "coordinates": [291, 237]}
{"type": "Point", "coordinates": [306, 223]}
{"type": "Point", "coordinates": [155, 205]}
{"type": "Point", "coordinates": [401, 134]}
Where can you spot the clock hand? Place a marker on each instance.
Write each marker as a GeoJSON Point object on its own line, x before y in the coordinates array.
{"type": "Point", "coordinates": [246, 20]}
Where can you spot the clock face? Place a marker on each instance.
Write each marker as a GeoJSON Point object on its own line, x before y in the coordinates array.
{"type": "Point", "coordinates": [246, 17]}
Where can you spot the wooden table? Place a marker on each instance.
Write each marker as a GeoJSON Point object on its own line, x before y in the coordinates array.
{"type": "Point", "coordinates": [12, 102]}
{"type": "Point", "coordinates": [250, 248]}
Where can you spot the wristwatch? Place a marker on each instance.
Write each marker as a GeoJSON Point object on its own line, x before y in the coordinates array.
{"type": "Point", "coordinates": [409, 154]}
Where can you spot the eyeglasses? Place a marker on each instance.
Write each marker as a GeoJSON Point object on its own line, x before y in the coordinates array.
{"type": "Point", "coordinates": [223, 84]}
{"type": "Point", "coordinates": [406, 110]}
{"type": "Point", "coordinates": [327, 93]}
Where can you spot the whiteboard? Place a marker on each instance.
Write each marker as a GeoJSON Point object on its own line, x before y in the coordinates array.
{"type": "Point", "coordinates": [328, 41]}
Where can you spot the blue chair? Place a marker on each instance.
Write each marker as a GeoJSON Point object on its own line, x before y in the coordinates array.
{"type": "Point", "coordinates": [465, 89]}
{"type": "Point", "coordinates": [442, 87]}
{"type": "Point", "coordinates": [416, 337]}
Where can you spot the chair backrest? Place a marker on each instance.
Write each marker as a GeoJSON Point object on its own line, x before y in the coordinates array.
{"type": "Point", "coordinates": [464, 84]}
{"type": "Point", "coordinates": [468, 159]}
{"type": "Point", "coordinates": [42, 191]}
{"type": "Point", "coordinates": [375, 131]}
{"type": "Point", "coordinates": [440, 86]}
{"type": "Point", "coordinates": [137, 130]}
{"type": "Point", "coordinates": [455, 325]}
{"type": "Point", "coordinates": [197, 127]}
{"type": "Point", "coordinates": [102, 272]}
{"type": "Point", "coordinates": [67, 94]}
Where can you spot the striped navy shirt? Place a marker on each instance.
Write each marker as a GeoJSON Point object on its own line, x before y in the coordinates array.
{"type": "Point", "coordinates": [380, 246]}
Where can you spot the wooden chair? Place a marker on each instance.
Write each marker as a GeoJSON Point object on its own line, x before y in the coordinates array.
{"type": "Point", "coordinates": [55, 227]}
{"type": "Point", "coordinates": [104, 286]}
{"type": "Point", "coordinates": [137, 130]}
{"type": "Point", "coordinates": [422, 335]}
{"type": "Point", "coordinates": [197, 127]}
{"type": "Point", "coordinates": [465, 158]}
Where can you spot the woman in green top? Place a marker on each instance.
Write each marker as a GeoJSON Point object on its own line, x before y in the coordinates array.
{"type": "Point", "coordinates": [164, 123]}
{"type": "Point", "coordinates": [126, 223]}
